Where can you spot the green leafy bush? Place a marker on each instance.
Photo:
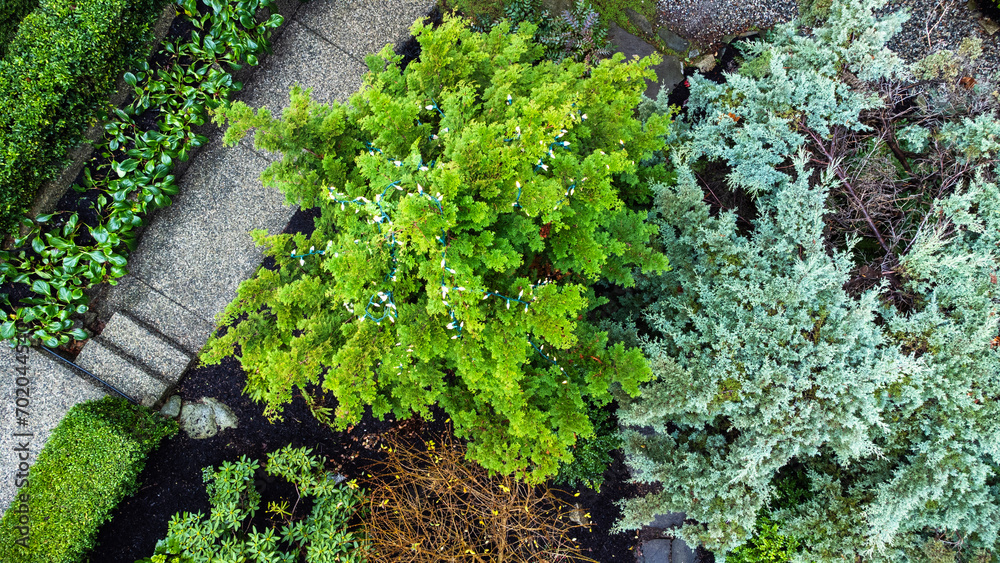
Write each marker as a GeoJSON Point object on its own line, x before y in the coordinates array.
{"type": "Point", "coordinates": [11, 14]}
{"type": "Point", "coordinates": [321, 536]}
{"type": "Point", "coordinates": [88, 465]}
{"type": "Point", "coordinates": [135, 177]}
{"type": "Point", "coordinates": [578, 33]}
{"type": "Point", "coordinates": [60, 68]}
{"type": "Point", "coordinates": [592, 456]}
{"type": "Point", "coordinates": [844, 329]}
{"type": "Point", "coordinates": [466, 206]}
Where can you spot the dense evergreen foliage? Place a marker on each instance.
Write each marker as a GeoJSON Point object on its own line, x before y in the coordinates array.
{"type": "Point", "coordinates": [841, 335]}
{"type": "Point", "coordinates": [467, 204]}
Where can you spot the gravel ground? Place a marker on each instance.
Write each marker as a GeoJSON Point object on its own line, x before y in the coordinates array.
{"type": "Point", "coordinates": [706, 21]}
{"type": "Point", "coordinates": [939, 24]}
{"type": "Point", "coordinates": [933, 24]}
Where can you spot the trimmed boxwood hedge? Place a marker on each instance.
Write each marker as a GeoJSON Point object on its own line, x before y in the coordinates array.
{"type": "Point", "coordinates": [59, 69]}
{"type": "Point", "coordinates": [89, 464]}
{"type": "Point", "coordinates": [11, 14]}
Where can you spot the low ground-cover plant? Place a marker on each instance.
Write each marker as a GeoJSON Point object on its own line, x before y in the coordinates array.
{"type": "Point", "coordinates": [59, 257]}
{"type": "Point", "coordinates": [844, 332]}
{"type": "Point", "coordinates": [230, 532]}
{"type": "Point", "coordinates": [89, 464]}
{"type": "Point", "coordinates": [428, 503]}
{"type": "Point", "coordinates": [59, 69]}
{"type": "Point", "coordinates": [466, 206]}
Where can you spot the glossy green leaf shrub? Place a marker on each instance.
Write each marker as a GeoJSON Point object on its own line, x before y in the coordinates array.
{"type": "Point", "coordinates": [58, 257]}
{"type": "Point", "coordinates": [11, 14]}
{"type": "Point", "coordinates": [592, 456]}
{"type": "Point", "coordinates": [89, 464]}
{"type": "Point", "coordinates": [467, 204]}
{"type": "Point", "coordinates": [578, 33]}
{"type": "Point", "coordinates": [320, 536]}
{"type": "Point", "coordinates": [60, 68]}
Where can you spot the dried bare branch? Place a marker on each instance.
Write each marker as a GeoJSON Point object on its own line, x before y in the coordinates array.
{"type": "Point", "coordinates": [428, 504]}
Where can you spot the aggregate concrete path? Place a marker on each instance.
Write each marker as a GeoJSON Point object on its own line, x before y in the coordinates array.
{"type": "Point", "coordinates": [193, 255]}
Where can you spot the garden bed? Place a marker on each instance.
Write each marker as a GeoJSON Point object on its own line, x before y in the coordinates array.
{"type": "Point", "coordinates": [172, 480]}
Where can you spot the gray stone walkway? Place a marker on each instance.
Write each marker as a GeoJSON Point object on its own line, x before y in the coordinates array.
{"type": "Point", "coordinates": [194, 254]}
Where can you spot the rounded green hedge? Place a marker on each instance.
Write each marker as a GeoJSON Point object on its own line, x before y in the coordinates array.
{"type": "Point", "coordinates": [90, 463]}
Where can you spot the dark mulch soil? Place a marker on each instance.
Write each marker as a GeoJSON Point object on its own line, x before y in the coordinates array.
{"type": "Point", "coordinates": [172, 480]}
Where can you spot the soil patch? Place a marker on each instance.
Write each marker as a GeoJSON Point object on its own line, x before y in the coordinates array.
{"type": "Point", "coordinates": [172, 480]}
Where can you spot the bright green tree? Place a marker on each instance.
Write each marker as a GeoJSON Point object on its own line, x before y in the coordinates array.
{"type": "Point", "coordinates": [467, 204]}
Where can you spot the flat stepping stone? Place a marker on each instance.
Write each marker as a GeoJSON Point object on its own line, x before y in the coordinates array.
{"type": "Point", "coordinates": [680, 552]}
{"type": "Point", "coordinates": [672, 41]}
{"type": "Point", "coordinates": [669, 73]}
{"type": "Point", "coordinates": [666, 521]}
{"type": "Point", "coordinates": [656, 551]}
{"type": "Point", "coordinates": [639, 21]}
{"type": "Point", "coordinates": [666, 550]}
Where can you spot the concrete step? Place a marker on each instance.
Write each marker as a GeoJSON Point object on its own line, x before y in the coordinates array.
{"type": "Point", "coordinates": [151, 308]}
{"type": "Point", "coordinates": [157, 354]}
{"type": "Point", "coordinates": [121, 371]}
{"type": "Point", "coordinates": [37, 391]}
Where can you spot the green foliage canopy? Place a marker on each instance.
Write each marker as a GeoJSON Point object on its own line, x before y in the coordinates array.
{"type": "Point", "coordinates": [467, 204]}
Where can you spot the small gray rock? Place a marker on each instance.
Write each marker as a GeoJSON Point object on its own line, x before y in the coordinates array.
{"type": "Point", "coordinates": [656, 551]}
{"type": "Point", "coordinates": [172, 408]}
{"type": "Point", "coordinates": [198, 420]}
{"type": "Point", "coordinates": [673, 41]}
{"type": "Point", "coordinates": [706, 62]}
{"type": "Point", "coordinates": [694, 53]}
{"type": "Point", "coordinates": [639, 21]}
{"type": "Point", "coordinates": [989, 25]}
{"type": "Point", "coordinates": [224, 416]}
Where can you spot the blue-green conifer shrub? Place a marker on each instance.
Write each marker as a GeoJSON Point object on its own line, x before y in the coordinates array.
{"type": "Point", "coordinates": [767, 363]}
